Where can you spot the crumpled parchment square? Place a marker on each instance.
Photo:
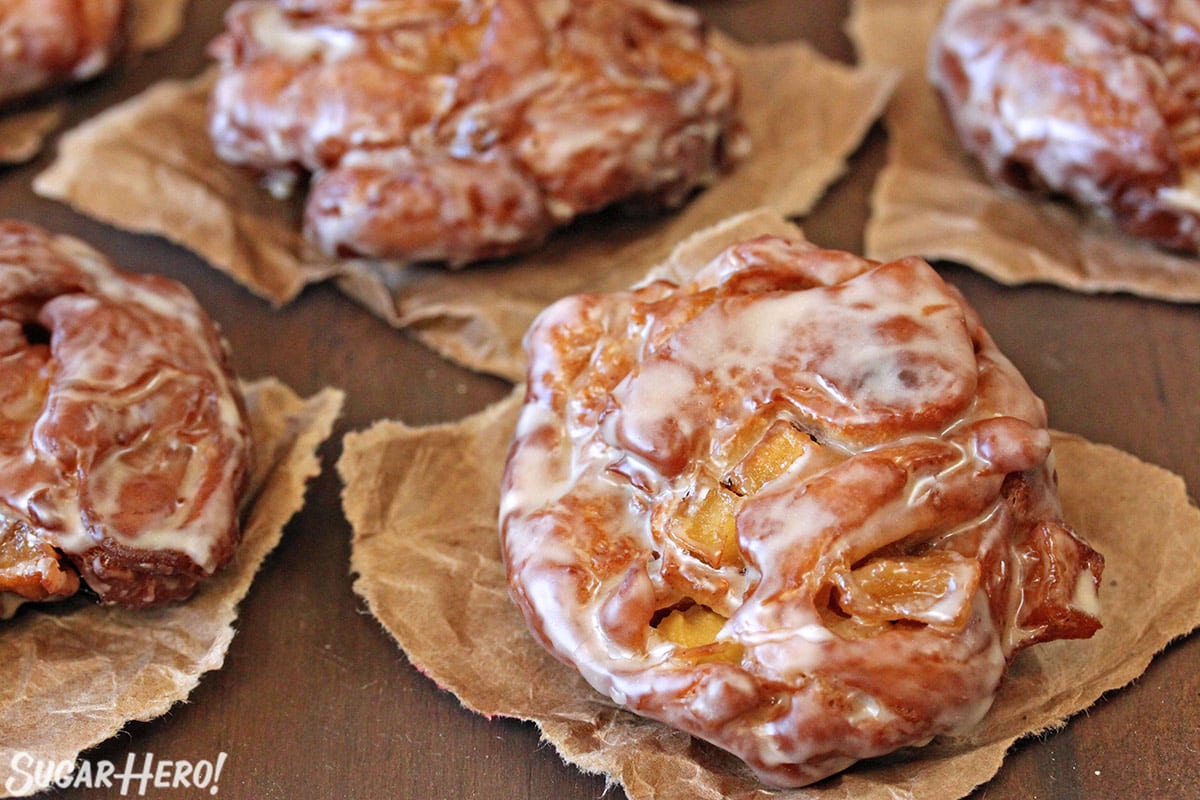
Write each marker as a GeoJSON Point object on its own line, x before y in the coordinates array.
{"type": "Point", "coordinates": [73, 676]}
{"type": "Point", "coordinates": [932, 199]}
{"type": "Point", "coordinates": [148, 166]}
{"type": "Point", "coordinates": [23, 132]}
{"type": "Point", "coordinates": [423, 504]}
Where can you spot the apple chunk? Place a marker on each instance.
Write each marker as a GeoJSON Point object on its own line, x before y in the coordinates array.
{"type": "Point", "coordinates": [778, 449]}
{"type": "Point", "coordinates": [695, 629]}
{"type": "Point", "coordinates": [704, 525]}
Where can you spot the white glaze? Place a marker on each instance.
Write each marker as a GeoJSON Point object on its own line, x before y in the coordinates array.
{"type": "Point", "coordinates": [138, 383]}
{"type": "Point", "coordinates": [548, 88]}
{"type": "Point", "coordinates": [1094, 101]}
{"type": "Point", "coordinates": [635, 400]}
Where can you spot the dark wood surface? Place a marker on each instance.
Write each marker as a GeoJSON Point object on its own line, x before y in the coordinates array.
{"type": "Point", "coordinates": [315, 701]}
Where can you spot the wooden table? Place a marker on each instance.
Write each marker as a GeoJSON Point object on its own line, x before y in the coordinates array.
{"type": "Point", "coordinates": [315, 701]}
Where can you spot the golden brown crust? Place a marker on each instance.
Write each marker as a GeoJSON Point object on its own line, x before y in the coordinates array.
{"type": "Point", "coordinates": [455, 131]}
{"type": "Point", "coordinates": [801, 506]}
{"type": "Point", "coordinates": [124, 444]}
{"type": "Point", "coordinates": [1095, 100]}
{"type": "Point", "coordinates": [46, 43]}
{"type": "Point", "coordinates": [30, 568]}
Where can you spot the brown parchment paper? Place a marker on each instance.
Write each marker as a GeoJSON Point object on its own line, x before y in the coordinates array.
{"type": "Point", "coordinates": [74, 676]}
{"type": "Point", "coordinates": [931, 198]}
{"type": "Point", "coordinates": [148, 166]}
{"type": "Point", "coordinates": [423, 504]}
{"type": "Point", "coordinates": [156, 23]}
{"type": "Point", "coordinates": [22, 133]}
